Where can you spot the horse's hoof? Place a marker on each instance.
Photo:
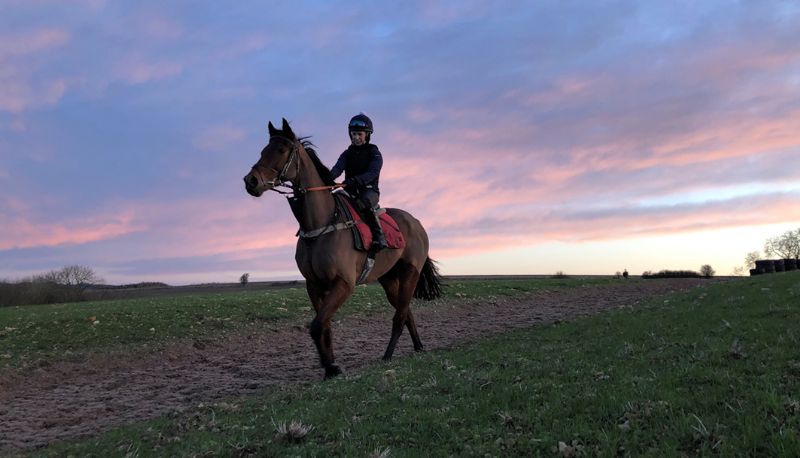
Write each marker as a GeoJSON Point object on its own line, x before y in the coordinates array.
{"type": "Point", "coordinates": [421, 349]}
{"type": "Point", "coordinates": [332, 371]}
{"type": "Point", "coordinates": [387, 358]}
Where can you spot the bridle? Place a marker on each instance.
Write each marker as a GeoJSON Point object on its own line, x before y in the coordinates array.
{"type": "Point", "coordinates": [280, 180]}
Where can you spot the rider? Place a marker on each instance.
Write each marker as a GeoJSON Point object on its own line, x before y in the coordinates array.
{"type": "Point", "coordinates": [361, 162]}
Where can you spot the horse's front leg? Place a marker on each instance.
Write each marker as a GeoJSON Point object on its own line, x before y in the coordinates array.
{"type": "Point", "coordinates": [321, 325]}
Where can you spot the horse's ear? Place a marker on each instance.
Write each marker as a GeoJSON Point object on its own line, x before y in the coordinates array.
{"type": "Point", "coordinates": [271, 129]}
{"type": "Point", "coordinates": [286, 129]}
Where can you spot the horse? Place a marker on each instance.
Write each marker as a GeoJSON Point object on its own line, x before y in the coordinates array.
{"type": "Point", "coordinates": [326, 256]}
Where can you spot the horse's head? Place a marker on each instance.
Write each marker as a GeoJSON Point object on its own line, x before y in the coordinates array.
{"type": "Point", "coordinates": [278, 162]}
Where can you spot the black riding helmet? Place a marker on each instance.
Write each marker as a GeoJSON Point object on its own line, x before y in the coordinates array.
{"type": "Point", "coordinates": [360, 123]}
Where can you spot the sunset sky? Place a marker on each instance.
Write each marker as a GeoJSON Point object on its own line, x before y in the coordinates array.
{"type": "Point", "coordinates": [528, 137]}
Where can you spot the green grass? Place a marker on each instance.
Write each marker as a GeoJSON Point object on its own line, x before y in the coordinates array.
{"type": "Point", "coordinates": [32, 336]}
{"type": "Point", "coordinates": [712, 371]}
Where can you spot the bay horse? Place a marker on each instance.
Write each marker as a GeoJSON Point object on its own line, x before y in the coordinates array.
{"type": "Point", "coordinates": [326, 256]}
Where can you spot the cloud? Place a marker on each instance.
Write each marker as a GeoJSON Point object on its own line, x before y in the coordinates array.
{"type": "Point", "coordinates": [494, 233]}
{"type": "Point", "coordinates": [17, 97]}
{"type": "Point", "coordinates": [21, 232]}
{"type": "Point", "coordinates": [21, 53]}
{"type": "Point", "coordinates": [135, 69]}
{"type": "Point", "coordinates": [219, 137]}
{"type": "Point", "coordinates": [20, 44]}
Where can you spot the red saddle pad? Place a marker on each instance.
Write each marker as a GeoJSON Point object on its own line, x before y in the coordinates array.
{"type": "Point", "coordinates": [394, 238]}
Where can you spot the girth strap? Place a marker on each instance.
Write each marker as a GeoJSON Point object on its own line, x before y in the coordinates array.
{"type": "Point", "coordinates": [324, 230]}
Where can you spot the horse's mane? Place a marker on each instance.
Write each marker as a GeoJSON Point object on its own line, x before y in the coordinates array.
{"type": "Point", "coordinates": [324, 172]}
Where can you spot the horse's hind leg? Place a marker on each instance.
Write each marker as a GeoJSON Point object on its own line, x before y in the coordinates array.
{"type": "Point", "coordinates": [412, 329]}
{"type": "Point", "coordinates": [399, 285]}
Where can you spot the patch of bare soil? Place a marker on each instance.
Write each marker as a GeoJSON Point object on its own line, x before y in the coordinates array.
{"type": "Point", "coordinates": [69, 400]}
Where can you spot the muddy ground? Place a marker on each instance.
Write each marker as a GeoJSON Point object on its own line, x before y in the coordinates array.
{"type": "Point", "coordinates": [73, 400]}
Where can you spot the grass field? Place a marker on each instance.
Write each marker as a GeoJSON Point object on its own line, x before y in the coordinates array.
{"type": "Point", "coordinates": [33, 336]}
{"type": "Point", "coordinates": [712, 371]}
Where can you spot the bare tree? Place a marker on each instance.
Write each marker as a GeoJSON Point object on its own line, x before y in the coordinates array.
{"type": "Point", "coordinates": [74, 275]}
{"type": "Point", "coordinates": [786, 246]}
{"type": "Point", "coordinates": [707, 271]}
{"type": "Point", "coordinates": [751, 258]}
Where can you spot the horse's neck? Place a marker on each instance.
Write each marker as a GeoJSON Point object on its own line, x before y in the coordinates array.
{"type": "Point", "coordinates": [318, 206]}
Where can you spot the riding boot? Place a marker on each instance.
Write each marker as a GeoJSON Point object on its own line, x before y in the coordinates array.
{"type": "Point", "coordinates": [378, 239]}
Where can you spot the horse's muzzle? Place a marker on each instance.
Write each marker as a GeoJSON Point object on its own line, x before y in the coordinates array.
{"type": "Point", "coordinates": [251, 185]}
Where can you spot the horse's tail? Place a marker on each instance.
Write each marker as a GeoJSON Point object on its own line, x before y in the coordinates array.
{"type": "Point", "coordinates": [429, 285]}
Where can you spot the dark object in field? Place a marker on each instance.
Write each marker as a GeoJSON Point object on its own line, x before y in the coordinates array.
{"type": "Point", "coordinates": [765, 266]}
{"type": "Point", "coordinates": [326, 255]}
{"type": "Point", "coordinates": [768, 266]}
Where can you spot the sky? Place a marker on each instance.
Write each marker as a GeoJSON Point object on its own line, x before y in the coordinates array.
{"type": "Point", "coordinates": [527, 137]}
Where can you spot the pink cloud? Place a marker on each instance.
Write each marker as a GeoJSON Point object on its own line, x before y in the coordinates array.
{"type": "Point", "coordinates": [19, 90]}
{"type": "Point", "coordinates": [244, 45]}
{"type": "Point", "coordinates": [18, 96]}
{"type": "Point", "coordinates": [91, 5]}
{"type": "Point", "coordinates": [19, 44]}
{"type": "Point", "coordinates": [219, 137]}
{"type": "Point", "coordinates": [199, 226]}
{"type": "Point", "coordinates": [159, 27]}
{"type": "Point", "coordinates": [18, 125]}
{"type": "Point", "coordinates": [613, 224]}
{"type": "Point", "coordinates": [207, 226]}
{"type": "Point", "coordinates": [138, 70]}
{"type": "Point", "coordinates": [442, 14]}
{"type": "Point", "coordinates": [562, 90]}
{"type": "Point", "coordinates": [23, 233]}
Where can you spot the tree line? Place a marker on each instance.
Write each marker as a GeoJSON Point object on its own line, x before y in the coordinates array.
{"type": "Point", "coordinates": [67, 284]}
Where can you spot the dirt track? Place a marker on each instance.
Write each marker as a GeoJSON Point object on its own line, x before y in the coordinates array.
{"type": "Point", "coordinates": [71, 400]}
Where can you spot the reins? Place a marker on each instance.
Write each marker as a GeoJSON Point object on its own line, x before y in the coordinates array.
{"type": "Point", "coordinates": [299, 190]}
{"type": "Point", "coordinates": [322, 188]}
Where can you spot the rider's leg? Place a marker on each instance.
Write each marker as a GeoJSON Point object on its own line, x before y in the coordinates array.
{"type": "Point", "coordinates": [369, 204]}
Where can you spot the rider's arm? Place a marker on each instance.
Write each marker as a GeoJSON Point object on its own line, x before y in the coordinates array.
{"type": "Point", "coordinates": [339, 167]}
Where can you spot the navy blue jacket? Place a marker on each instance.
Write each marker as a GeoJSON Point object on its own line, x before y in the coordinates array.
{"type": "Point", "coordinates": [363, 163]}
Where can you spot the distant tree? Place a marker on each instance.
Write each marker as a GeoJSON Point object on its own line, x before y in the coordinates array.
{"type": "Point", "coordinates": [625, 273]}
{"type": "Point", "coordinates": [738, 271]}
{"type": "Point", "coordinates": [750, 259]}
{"type": "Point", "coordinates": [74, 276]}
{"type": "Point", "coordinates": [707, 271]}
{"type": "Point", "coordinates": [785, 246]}
{"type": "Point", "coordinates": [244, 279]}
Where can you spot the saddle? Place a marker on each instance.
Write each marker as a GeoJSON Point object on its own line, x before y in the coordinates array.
{"type": "Point", "coordinates": [362, 235]}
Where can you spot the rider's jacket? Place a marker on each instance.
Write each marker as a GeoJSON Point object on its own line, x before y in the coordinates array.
{"type": "Point", "coordinates": [363, 163]}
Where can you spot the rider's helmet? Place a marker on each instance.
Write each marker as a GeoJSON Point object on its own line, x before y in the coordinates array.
{"type": "Point", "coordinates": [360, 122]}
